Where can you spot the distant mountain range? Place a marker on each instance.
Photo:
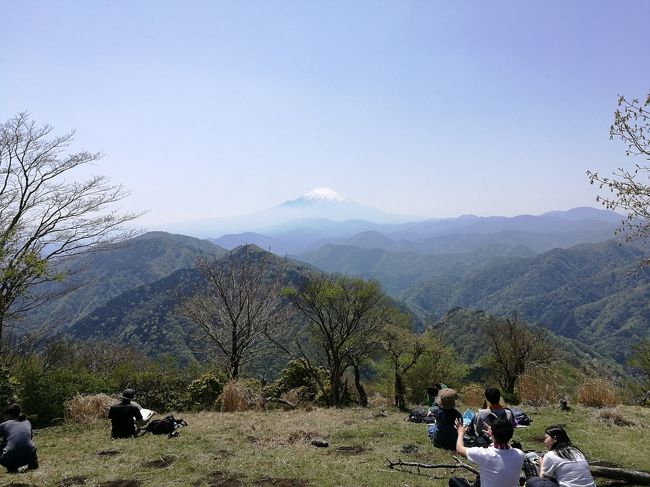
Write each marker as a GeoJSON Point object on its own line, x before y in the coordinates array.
{"type": "Point", "coordinates": [313, 211]}
{"type": "Point", "coordinates": [560, 270]}
{"type": "Point", "coordinates": [524, 234]}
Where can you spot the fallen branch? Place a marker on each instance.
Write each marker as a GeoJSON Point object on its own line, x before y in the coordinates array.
{"type": "Point", "coordinates": [283, 401]}
{"type": "Point", "coordinates": [634, 476]}
{"type": "Point", "coordinates": [459, 464]}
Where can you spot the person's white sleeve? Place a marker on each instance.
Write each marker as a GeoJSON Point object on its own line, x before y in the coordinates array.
{"type": "Point", "coordinates": [550, 464]}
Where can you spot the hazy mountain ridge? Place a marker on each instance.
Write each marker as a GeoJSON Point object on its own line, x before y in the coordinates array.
{"type": "Point", "coordinates": [453, 235]}
{"type": "Point", "coordinates": [108, 273]}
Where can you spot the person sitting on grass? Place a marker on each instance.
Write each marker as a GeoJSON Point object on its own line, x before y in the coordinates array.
{"type": "Point", "coordinates": [565, 463]}
{"type": "Point", "coordinates": [432, 395]}
{"type": "Point", "coordinates": [446, 417]}
{"type": "Point", "coordinates": [124, 416]}
{"type": "Point", "coordinates": [500, 464]}
{"type": "Point", "coordinates": [18, 448]}
{"type": "Point", "coordinates": [492, 409]}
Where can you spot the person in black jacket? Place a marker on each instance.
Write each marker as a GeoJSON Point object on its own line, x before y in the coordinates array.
{"type": "Point", "coordinates": [18, 448]}
{"type": "Point", "coordinates": [446, 434]}
{"type": "Point", "coordinates": [124, 415]}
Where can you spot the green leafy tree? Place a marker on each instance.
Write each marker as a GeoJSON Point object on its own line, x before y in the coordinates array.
{"type": "Point", "coordinates": [640, 359]}
{"type": "Point", "coordinates": [439, 363]}
{"type": "Point", "coordinates": [45, 216]}
{"type": "Point", "coordinates": [628, 189]}
{"type": "Point", "coordinates": [345, 316]}
{"type": "Point", "coordinates": [404, 350]}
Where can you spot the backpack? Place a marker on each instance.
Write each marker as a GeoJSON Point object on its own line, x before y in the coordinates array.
{"type": "Point", "coordinates": [166, 426]}
{"type": "Point", "coordinates": [419, 415]}
{"type": "Point", "coordinates": [521, 417]}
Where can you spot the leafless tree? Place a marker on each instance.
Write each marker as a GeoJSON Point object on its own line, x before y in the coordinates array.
{"type": "Point", "coordinates": [515, 348]}
{"type": "Point", "coordinates": [45, 216]}
{"type": "Point", "coordinates": [239, 307]}
{"type": "Point", "coordinates": [627, 188]}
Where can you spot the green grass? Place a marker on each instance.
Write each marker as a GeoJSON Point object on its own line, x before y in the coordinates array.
{"type": "Point", "coordinates": [251, 446]}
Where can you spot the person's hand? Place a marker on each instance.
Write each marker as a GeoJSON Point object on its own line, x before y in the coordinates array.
{"type": "Point", "coordinates": [487, 429]}
{"type": "Point", "coordinates": [460, 427]}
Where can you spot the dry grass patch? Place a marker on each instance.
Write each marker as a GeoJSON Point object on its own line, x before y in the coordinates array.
{"type": "Point", "coordinates": [598, 393]}
{"type": "Point", "coordinates": [535, 388]}
{"type": "Point", "coordinates": [86, 409]}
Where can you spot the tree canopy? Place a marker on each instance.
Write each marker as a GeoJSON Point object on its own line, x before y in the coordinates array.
{"type": "Point", "coordinates": [45, 215]}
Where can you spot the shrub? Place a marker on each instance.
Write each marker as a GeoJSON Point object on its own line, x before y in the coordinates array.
{"type": "Point", "coordinates": [44, 393]}
{"type": "Point", "coordinates": [295, 375]}
{"type": "Point", "coordinates": [204, 391]}
{"type": "Point", "coordinates": [160, 391]}
{"type": "Point", "coordinates": [86, 409]}
{"type": "Point", "coordinates": [598, 393]}
{"type": "Point", "coordinates": [8, 386]}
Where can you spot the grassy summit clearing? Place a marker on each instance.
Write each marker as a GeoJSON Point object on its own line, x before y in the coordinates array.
{"type": "Point", "coordinates": [274, 448]}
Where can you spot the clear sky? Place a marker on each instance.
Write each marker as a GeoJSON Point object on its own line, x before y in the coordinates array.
{"type": "Point", "coordinates": [429, 108]}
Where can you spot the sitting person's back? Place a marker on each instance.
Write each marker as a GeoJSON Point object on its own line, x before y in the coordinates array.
{"type": "Point", "coordinates": [18, 448]}
{"type": "Point", "coordinates": [500, 464]}
{"type": "Point", "coordinates": [445, 429]}
{"type": "Point", "coordinates": [488, 415]}
{"type": "Point", "coordinates": [124, 415]}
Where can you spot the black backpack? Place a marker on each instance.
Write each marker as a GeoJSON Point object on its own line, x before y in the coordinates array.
{"type": "Point", "coordinates": [166, 426]}
{"type": "Point", "coordinates": [419, 415]}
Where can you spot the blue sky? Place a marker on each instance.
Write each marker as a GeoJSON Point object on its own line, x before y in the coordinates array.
{"type": "Point", "coordinates": [437, 109]}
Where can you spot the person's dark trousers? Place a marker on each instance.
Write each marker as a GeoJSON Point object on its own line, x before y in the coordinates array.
{"type": "Point", "coordinates": [540, 482]}
{"type": "Point", "coordinates": [456, 482]}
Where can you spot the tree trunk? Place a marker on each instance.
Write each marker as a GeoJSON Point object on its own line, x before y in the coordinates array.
{"type": "Point", "coordinates": [363, 397]}
{"type": "Point", "coordinates": [635, 476]}
{"type": "Point", "coordinates": [400, 390]}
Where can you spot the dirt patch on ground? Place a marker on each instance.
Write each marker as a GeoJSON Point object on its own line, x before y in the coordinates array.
{"type": "Point", "coordinates": [280, 482]}
{"type": "Point", "coordinates": [302, 436]}
{"type": "Point", "coordinates": [162, 462]}
{"type": "Point", "coordinates": [221, 454]}
{"type": "Point", "coordinates": [121, 483]}
{"type": "Point", "coordinates": [221, 479]}
{"type": "Point", "coordinates": [410, 449]}
{"type": "Point", "coordinates": [351, 450]}
{"type": "Point", "coordinates": [108, 453]}
{"type": "Point", "coordinates": [70, 481]}
{"type": "Point", "coordinates": [612, 417]}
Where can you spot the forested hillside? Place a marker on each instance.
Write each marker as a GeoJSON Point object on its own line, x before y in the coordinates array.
{"type": "Point", "coordinates": [591, 292]}
{"type": "Point", "coordinates": [100, 276]}
{"type": "Point", "coordinates": [147, 316]}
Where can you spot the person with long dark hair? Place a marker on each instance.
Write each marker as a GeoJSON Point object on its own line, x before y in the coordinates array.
{"type": "Point", "coordinates": [564, 465]}
{"type": "Point", "coordinates": [18, 448]}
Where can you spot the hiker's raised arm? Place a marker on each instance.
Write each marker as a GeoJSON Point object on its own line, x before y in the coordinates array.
{"type": "Point", "coordinates": [460, 446]}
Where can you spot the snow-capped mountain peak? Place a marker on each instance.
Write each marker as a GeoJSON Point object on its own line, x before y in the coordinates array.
{"type": "Point", "coordinates": [323, 194]}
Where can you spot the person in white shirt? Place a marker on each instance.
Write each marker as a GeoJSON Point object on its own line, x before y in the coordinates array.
{"type": "Point", "coordinates": [564, 465]}
{"type": "Point", "coordinates": [500, 464]}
